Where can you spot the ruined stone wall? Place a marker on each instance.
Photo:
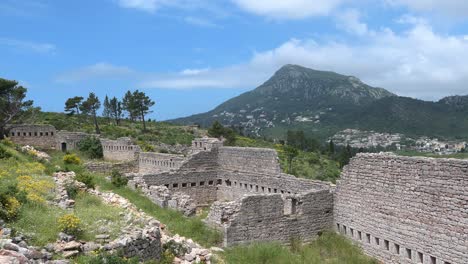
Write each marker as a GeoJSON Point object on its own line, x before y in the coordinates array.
{"type": "Point", "coordinates": [405, 209]}
{"type": "Point", "coordinates": [159, 162]}
{"type": "Point", "coordinates": [255, 160]}
{"type": "Point", "coordinates": [196, 177]}
{"type": "Point", "coordinates": [69, 140]}
{"type": "Point", "coordinates": [41, 136]}
{"type": "Point", "coordinates": [273, 217]}
{"type": "Point", "coordinates": [236, 184]}
{"type": "Point", "coordinates": [121, 149]}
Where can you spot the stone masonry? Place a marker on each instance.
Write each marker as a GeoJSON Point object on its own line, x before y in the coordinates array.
{"type": "Point", "coordinates": [405, 209]}
{"type": "Point", "coordinates": [269, 205]}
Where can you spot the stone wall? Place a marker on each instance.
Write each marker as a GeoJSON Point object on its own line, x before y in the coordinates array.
{"type": "Point", "coordinates": [121, 149]}
{"type": "Point", "coordinates": [405, 209]}
{"type": "Point", "coordinates": [108, 167]}
{"type": "Point", "coordinates": [236, 184]}
{"type": "Point", "coordinates": [273, 217]}
{"type": "Point", "coordinates": [256, 160]}
{"type": "Point", "coordinates": [150, 162]}
{"type": "Point", "coordinates": [40, 136]}
{"type": "Point", "coordinates": [69, 140]}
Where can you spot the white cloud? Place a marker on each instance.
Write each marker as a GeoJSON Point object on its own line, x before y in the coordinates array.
{"type": "Point", "coordinates": [96, 71]}
{"type": "Point", "coordinates": [417, 62]}
{"type": "Point", "coordinates": [291, 9]}
{"type": "Point", "coordinates": [144, 5]}
{"type": "Point", "coordinates": [447, 7]}
{"type": "Point", "coordinates": [350, 21]}
{"type": "Point", "coordinates": [198, 21]}
{"type": "Point", "coordinates": [194, 71]}
{"type": "Point", "coordinates": [28, 45]}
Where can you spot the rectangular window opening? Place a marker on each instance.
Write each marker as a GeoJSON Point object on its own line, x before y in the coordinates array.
{"type": "Point", "coordinates": [377, 241]}
{"type": "Point", "coordinates": [368, 238]}
{"type": "Point", "coordinates": [210, 183]}
{"type": "Point", "coordinates": [338, 227]}
{"type": "Point", "coordinates": [408, 253]}
{"type": "Point", "coordinates": [203, 183]}
{"type": "Point", "coordinates": [420, 257]}
{"type": "Point", "coordinates": [345, 230]}
{"type": "Point", "coordinates": [193, 184]}
{"type": "Point", "coordinates": [175, 185]}
{"type": "Point", "coordinates": [219, 182]}
{"type": "Point", "coordinates": [167, 185]}
{"type": "Point", "coordinates": [352, 232]}
{"type": "Point", "coordinates": [387, 244]}
{"type": "Point", "coordinates": [359, 235]}
{"type": "Point", "coordinates": [184, 184]}
{"type": "Point", "coordinates": [433, 260]}
{"type": "Point", "coordinates": [397, 249]}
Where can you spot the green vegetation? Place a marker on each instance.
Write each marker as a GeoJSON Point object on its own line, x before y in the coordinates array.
{"type": "Point", "coordinates": [155, 131]}
{"type": "Point", "coordinates": [25, 190]}
{"type": "Point", "coordinates": [175, 221]}
{"type": "Point", "coordinates": [13, 104]}
{"type": "Point", "coordinates": [329, 248]}
{"type": "Point", "coordinates": [117, 179]}
{"type": "Point", "coordinates": [91, 146]}
{"type": "Point", "coordinates": [311, 163]}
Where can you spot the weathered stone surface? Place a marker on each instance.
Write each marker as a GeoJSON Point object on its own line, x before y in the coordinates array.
{"type": "Point", "coordinates": [405, 209]}
{"type": "Point", "coordinates": [13, 257]}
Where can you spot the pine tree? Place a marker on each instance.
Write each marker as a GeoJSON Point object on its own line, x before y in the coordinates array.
{"type": "Point", "coordinates": [106, 112]}
{"type": "Point", "coordinates": [90, 107]}
{"type": "Point", "coordinates": [72, 105]}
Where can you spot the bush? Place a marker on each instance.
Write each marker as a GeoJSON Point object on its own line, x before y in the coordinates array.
{"type": "Point", "coordinates": [36, 189]}
{"type": "Point", "coordinates": [7, 142]}
{"type": "Point", "coordinates": [71, 159]}
{"type": "Point", "coordinates": [69, 224]}
{"type": "Point", "coordinates": [72, 191]}
{"type": "Point", "coordinates": [91, 146]}
{"type": "Point", "coordinates": [87, 179]}
{"type": "Point", "coordinates": [4, 154]}
{"type": "Point", "coordinates": [118, 179]}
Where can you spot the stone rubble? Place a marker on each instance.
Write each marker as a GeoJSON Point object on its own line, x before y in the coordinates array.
{"type": "Point", "coordinates": [143, 236]}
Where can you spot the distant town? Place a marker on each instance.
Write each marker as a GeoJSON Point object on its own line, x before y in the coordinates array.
{"type": "Point", "coordinates": [374, 140]}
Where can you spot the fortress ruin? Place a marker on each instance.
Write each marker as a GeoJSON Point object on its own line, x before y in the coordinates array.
{"type": "Point", "coordinates": [404, 210]}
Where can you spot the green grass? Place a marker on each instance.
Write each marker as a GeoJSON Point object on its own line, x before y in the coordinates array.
{"type": "Point", "coordinates": [330, 248]}
{"type": "Point", "coordinates": [176, 222]}
{"type": "Point", "coordinates": [92, 212]}
{"type": "Point", "coordinates": [156, 131]}
{"type": "Point", "coordinates": [38, 223]}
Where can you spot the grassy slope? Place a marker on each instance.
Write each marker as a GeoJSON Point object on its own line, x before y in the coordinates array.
{"type": "Point", "coordinates": [156, 131]}
{"type": "Point", "coordinates": [330, 248]}
{"type": "Point", "coordinates": [39, 220]}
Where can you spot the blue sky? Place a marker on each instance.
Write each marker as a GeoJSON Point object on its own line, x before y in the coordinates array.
{"type": "Point", "coordinates": [190, 56]}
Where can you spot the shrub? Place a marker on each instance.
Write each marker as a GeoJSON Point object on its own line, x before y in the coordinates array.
{"type": "Point", "coordinates": [69, 224]}
{"type": "Point", "coordinates": [4, 154]}
{"type": "Point", "coordinates": [35, 189]}
{"type": "Point", "coordinates": [71, 159]}
{"type": "Point", "coordinates": [12, 207]}
{"type": "Point", "coordinates": [72, 191]}
{"type": "Point", "coordinates": [7, 142]}
{"type": "Point", "coordinates": [118, 179]}
{"type": "Point", "coordinates": [86, 178]}
{"type": "Point", "coordinates": [91, 146]}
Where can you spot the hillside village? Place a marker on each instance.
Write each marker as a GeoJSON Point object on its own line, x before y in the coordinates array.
{"type": "Point", "coordinates": [370, 139]}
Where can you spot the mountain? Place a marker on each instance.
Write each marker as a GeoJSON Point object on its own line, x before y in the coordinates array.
{"type": "Point", "coordinates": [323, 102]}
